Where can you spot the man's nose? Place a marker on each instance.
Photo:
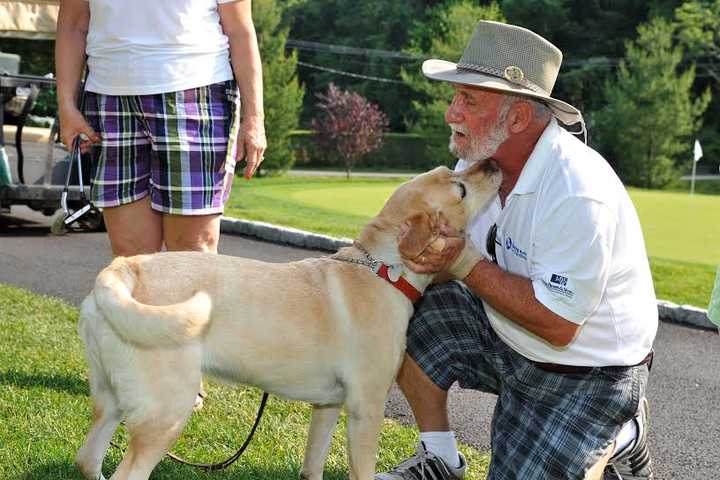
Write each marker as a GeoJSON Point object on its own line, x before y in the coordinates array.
{"type": "Point", "coordinates": [453, 114]}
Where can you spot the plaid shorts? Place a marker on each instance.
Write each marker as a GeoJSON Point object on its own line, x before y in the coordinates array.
{"type": "Point", "coordinates": [178, 147]}
{"type": "Point", "coordinates": [545, 425]}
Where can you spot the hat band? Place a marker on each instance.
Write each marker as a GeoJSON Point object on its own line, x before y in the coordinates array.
{"type": "Point", "coordinates": [523, 82]}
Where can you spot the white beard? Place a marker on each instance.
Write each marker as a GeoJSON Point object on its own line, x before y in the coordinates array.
{"type": "Point", "coordinates": [479, 150]}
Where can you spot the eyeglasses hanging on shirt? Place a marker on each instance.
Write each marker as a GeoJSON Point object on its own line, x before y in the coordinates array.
{"type": "Point", "coordinates": [491, 241]}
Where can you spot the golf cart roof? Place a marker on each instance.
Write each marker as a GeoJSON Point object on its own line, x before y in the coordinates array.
{"type": "Point", "coordinates": [28, 18]}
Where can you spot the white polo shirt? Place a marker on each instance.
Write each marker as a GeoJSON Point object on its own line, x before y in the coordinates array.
{"type": "Point", "coordinates": [570, 227]}
{"type": "Point", "coordinates": [144, 47]}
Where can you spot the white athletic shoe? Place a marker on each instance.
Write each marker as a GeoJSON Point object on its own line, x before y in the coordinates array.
{"type": "Point", "coordinates": [425, 465]}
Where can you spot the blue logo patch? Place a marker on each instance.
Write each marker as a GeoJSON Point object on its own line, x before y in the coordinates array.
{"type": "Point", "coordinates": [560, 284]}
{"type": "Point", "coordinates": [509, 245]}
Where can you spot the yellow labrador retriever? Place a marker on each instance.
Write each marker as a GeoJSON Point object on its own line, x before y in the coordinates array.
{"type": "Point", "coordinates": [329, 331]}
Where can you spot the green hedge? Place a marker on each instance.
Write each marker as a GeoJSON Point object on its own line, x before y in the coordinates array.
{"type": "Point", "coordinates": [400, 151]}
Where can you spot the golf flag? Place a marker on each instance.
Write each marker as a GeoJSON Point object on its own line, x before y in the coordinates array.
{"type": "Point", "coordinates": [697, 151]}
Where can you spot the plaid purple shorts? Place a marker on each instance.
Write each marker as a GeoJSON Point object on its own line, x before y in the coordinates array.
{"type": "Point", "coordinates": [545, 425]}
{"type": "Point", "coordinates": [178, 147]}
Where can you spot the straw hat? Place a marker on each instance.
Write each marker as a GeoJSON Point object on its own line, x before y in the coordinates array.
{"type": "Point", "coordinates": [508, 58]}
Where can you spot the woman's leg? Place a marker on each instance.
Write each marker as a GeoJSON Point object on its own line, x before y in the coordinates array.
{"type": "Point", "coordinates": [199, 233]}
{"type": "Point", "coordinates": [134, 228]}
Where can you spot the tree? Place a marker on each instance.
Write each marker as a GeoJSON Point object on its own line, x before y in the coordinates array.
{"type": "Point", "coordinates": [549, 18]}
{"type": "Point", "coordinates": [283, 95]}
{"type": "Point", "coordinates": [698, 30]}
{"type": "Point", "coordinates": [650, 113]}
{"type": "Point", "coordinates": [697, 23]}
{"type": "Point", "coordinates": [443, 35]}
{"type": "Point", "coordinates": [372, 25]}
{"type": "Point", "coordinates": [348, 125]}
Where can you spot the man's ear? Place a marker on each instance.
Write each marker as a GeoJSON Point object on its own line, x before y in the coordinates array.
{"type": "Point", "coordinates": [519, 117]}
{"type": "Point", "coordinates": [419, 235]}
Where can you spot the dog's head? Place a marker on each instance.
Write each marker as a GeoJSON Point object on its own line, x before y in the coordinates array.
{"type": "Point", "coordinates": [438, 196]}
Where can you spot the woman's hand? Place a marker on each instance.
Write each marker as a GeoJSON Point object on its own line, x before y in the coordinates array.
{"type": "Point", "coordinates": [72, 124]}
{"type": "Point", "coordinates": [251, 144]}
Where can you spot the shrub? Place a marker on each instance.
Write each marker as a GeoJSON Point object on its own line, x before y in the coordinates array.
{"type": "Point", "coordinates": [349, 126]}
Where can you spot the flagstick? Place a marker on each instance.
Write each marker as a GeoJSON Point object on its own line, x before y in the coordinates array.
{"type": "Point", "coordinates": [692, 181]}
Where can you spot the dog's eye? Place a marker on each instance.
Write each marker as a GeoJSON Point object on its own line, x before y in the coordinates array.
{"type": "Point", "coordinates": [461, 187]}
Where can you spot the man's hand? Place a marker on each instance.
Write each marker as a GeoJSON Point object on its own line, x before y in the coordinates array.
{"type": "Point", "coordinates": [251, 144]}
{"type": "Point", "coordinates": [439, 254]}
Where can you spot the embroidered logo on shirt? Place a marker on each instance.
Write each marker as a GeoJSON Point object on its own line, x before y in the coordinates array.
{"type": "Point", "coordinates": [559, 284]}
{"type": "Point", "coordinates": [509, 245]}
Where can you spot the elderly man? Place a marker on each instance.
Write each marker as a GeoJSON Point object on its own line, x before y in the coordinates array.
{"type": "Point", "coordinates": [555, 312]}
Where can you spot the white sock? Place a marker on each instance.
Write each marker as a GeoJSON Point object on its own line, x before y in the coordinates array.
{"type": "Point", "coordinates": [626, 437]}
{"type": "Point", "coordinates": [442, 444]}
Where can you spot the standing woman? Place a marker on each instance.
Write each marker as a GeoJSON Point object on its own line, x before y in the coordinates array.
{"type": "Point", "coordinates": [161, 112]}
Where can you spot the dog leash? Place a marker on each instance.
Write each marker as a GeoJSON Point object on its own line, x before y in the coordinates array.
{"type": "Point", "coordinates": [213, 467]}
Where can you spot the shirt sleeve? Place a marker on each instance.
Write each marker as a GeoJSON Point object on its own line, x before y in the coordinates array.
{"type": "Point", "coordinates": [573, 252]}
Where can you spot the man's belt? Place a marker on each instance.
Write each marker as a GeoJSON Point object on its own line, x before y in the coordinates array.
{"type": "Point", "coordinates": [578, 370]}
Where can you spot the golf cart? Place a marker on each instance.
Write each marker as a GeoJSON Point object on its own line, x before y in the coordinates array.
{"type": "Point", "coordinates": [35, 174]}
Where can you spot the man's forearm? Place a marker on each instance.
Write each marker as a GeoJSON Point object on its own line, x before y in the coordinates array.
{"type": "Point", "coordinates": [513, 296]}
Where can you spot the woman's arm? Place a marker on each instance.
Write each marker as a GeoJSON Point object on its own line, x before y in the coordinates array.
{"type": "Point", "coordinates": [72, 28]}
{"type": "Point", "coordinates": [236, 20]}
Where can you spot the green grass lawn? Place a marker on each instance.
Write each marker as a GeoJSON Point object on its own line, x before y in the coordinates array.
{"type": "Point", "coordinates": [45, 411]}
{"type": "Point", "coordinates": [682, 233]}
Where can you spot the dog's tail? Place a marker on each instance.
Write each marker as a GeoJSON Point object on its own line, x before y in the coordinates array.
{"type": "Point", "coordinates": [148, 325]}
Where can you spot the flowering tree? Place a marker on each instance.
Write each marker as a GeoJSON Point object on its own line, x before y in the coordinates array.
{"type": "Point", "coordinates": [348, 125]}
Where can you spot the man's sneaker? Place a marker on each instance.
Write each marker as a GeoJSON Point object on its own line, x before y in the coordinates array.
{"type": "Point", "coordinates": [633, 462]}
{"type": "Point", "coordinates": [424, 465]}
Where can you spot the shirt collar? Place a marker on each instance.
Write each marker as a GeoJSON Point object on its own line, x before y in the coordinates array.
{"type": "Point", "coordinates": [536, 164]}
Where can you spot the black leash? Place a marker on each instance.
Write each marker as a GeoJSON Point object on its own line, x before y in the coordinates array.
{"type": "Point", "coordinates": [212, 467]}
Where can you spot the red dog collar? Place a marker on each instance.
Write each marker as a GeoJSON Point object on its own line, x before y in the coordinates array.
{"type": "Point", "coordinates": [401, 284]}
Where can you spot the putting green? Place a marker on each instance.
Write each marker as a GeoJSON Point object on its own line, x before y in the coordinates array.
{"type": "Point", "coordinates": [364, 200]}
{"type": "Point", "coordinates": [680, 227]}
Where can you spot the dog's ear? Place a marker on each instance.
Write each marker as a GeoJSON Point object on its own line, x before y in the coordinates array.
{"type": "Point", "coordinates": [418, 237]}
